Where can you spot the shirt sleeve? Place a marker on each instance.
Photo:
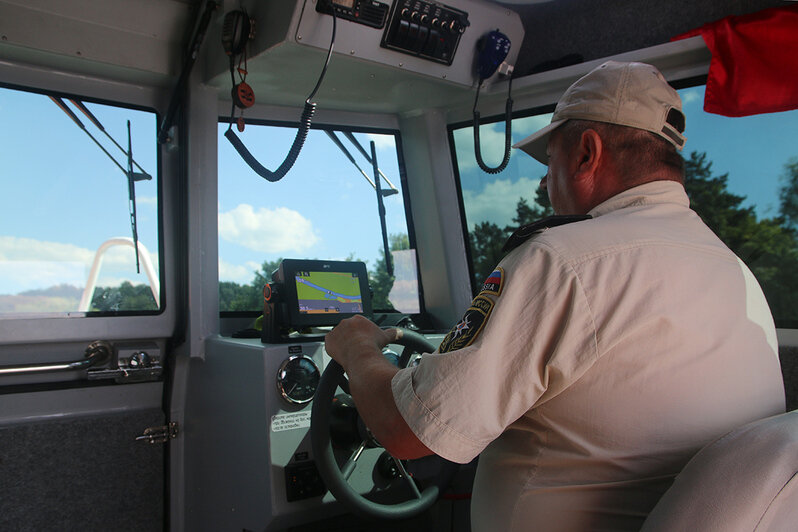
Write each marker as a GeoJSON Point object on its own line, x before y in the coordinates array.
{"type": "Point", "coordinates": [537, 337]}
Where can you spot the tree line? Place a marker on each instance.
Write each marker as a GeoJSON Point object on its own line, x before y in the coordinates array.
{"type": "Point", "coordinates": [237, 297]}
{"type": "Point", "coordinates": [768, 246]}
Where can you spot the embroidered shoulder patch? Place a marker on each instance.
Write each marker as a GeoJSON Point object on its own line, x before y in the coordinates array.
{"type": "Point", "coordinates": [494, 283]}
{"type": "Point", "coordinates": [466, 331]}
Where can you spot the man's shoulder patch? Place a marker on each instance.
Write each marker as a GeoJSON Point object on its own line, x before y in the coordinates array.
{"type": "Point", "coordinates": [467, 329]}
{"type": "Point", "coordinates": [526, 231]}
{"type": "Point", "coordinates": [494, 283]}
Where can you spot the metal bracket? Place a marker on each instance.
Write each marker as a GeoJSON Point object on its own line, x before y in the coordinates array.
{"type": "Point", "coordinates": [161, 434]}
{"type": "Point", "coordinates": [140, 366]}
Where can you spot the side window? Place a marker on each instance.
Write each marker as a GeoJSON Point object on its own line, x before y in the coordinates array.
{"type": "Point", "coordinates": [80, 186]}
{"type": "Point", "coordinates": [324, 208]}
{"type": "Point", "coordinates": [741, 177]}
{"type": "Point", "coordinates": [495, 204]}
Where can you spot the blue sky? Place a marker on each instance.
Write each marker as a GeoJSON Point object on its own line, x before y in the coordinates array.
{"type": "Point", "coordinates": [323, 208]}
{"type": "Point", "coordinates": [62, 197]}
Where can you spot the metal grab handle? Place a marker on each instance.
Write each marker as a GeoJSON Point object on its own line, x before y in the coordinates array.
{"type": "Point", "coordinates": [97, 352]}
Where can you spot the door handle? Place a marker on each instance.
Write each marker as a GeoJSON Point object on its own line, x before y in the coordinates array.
{"type": "Point", "coordinates": [97, 352]}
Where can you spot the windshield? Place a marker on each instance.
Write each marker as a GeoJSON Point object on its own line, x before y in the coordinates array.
{"type": "Point", "coordinates": [75, 207]}
{"type": "Point", "coordinates": [325, 208]}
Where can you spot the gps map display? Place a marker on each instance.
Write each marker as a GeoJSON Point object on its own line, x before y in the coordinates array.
{"type": "Point", "coordinates": [328, 292]}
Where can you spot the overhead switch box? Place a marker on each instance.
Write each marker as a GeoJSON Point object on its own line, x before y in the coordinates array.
{"type": "Point", "coordinates": [425, 29]}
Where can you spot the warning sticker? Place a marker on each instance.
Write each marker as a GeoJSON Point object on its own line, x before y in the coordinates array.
{"type": "Point", "coordinates": [297, 420]}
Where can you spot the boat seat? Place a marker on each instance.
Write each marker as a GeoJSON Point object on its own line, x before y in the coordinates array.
{"type": "Point", "coordinates": [744, 481]}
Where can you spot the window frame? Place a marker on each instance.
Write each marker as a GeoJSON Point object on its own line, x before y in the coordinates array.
{"type": "Point", "coordinates": [21, 329]}
{"type": "Point", "coordinates": [236, 316]}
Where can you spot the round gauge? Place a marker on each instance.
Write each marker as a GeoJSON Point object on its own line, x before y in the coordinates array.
{"type": "Point", "coordinates": [297, 379]}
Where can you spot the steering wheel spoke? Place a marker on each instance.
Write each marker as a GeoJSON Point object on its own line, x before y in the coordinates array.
{"type": "Point", "coordinates": [349, 466]}
{"type": "Point", "coordinates": [403, 472]}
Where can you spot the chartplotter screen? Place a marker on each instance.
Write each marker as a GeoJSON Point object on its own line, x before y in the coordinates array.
{"type": "Point", "coordinates": [328, 292]}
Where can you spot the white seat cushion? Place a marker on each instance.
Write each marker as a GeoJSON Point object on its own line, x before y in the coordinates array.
{"type": "Point", "coordinates": [744, 481]}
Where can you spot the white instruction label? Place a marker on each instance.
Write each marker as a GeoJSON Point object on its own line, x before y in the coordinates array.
{"type": "Point", "coordinates": [297, 420]}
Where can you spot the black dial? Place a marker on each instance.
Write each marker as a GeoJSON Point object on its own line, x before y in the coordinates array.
{"type": "Point", "coordinates": [297, 379]}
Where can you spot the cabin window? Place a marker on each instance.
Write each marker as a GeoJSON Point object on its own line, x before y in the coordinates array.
{"type": "Point", "coordinates": [741, 176]}
{"type": "Point", "coordinates": [72, 205]}
{"type": "Point", "coordinates": [323, 208]}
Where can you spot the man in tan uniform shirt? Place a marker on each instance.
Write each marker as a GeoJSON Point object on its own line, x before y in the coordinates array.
{"type": "Point", "coordinates": [601, 354]}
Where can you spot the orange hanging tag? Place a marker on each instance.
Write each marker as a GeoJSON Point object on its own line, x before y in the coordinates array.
{"type": "Point", "coordinates": [240, 124]}
{"type": "Point", "coordinates": [243, 96]}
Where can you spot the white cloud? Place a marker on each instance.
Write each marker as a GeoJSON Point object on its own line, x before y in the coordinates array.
{"type": "Point", "coordinates": [124, 257]}
{"type": "Point", "coordinates": [20, 249]}
{"type": "Point", "coordinates": [147, 200]}
{"type": "Point", "coordinates": [497, 200]}
{"type": "Point", "coordinates": [381, 142]}
{"type": "Point", "coordinates": [491, 146]}
{"type": "Point", "coordinates": [28, 249]}
{"type": "Point", "coordinates": [690, 96]}
{"type": "Point", "coordinates": [236, 272]}
{"type": "Point", "coordinates": [267, 230]}
{"type": "Point", "coordinates": [22, 275]}
{"type": "Point", "coordinates": [491, 140]}
{"type": "Point", "coordinates": [27, 264]}
{"type": "Point", "coordinates": [523, 127]}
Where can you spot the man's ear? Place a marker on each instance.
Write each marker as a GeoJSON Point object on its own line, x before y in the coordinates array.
{"type": "Point", "coordinates": [590, 152]}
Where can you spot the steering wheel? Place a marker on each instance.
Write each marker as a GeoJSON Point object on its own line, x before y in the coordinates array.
{"type": "Point", "coordinates": [322, 441]}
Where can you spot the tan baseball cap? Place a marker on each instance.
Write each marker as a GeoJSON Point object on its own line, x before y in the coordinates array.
{"type": "Point", "coordinates": [628, 94]}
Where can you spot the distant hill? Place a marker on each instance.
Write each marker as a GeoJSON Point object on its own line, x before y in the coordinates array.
{"type": "Point", "coordinates": [59, 298]}
{"type": "Point", "coordinates": [61, 290]}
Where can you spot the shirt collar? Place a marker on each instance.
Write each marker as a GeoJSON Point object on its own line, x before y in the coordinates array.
{"type": "Point", "coordinates": [651, 193]}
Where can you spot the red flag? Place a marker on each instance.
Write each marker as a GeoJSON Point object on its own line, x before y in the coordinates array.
{"type": "Point", "coordinates": [754, 67]}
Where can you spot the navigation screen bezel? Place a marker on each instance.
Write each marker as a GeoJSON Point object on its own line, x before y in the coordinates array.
{"type": "Point", "coordinates": [287, 273]}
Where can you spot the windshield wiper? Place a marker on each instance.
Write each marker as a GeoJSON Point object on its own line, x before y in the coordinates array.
{"type": "Point", "coordinates": [391, 191]}
{"type": "Point", "coordinates": [131, 176]}
{"type": "Point", "coordinates": [376, 184]}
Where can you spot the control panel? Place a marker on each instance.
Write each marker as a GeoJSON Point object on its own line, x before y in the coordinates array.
{"type": "Point", "coordinates": [425, 29]}
{"type": "Point", "coordinates": [302, 481]}
{"type": "Point", "coordinates": [367, 12]}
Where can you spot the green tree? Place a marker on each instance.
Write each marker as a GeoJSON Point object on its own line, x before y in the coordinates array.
{"type": "Point", "coordinates": [126, 296]}
{"type": "Point", "coordinates": [788, 196]}
{"type": "Point", "coordinates": [487, 239]}
{"type": "Point", "coordinates": [767, 246]}
{"type": "Point", "coordinates": [721, 210]}
{"type": "Point", "coordinates": [236, 297]}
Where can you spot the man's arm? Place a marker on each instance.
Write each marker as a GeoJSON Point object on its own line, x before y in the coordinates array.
{"type": "Point", "coordinates": [356, 344]}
